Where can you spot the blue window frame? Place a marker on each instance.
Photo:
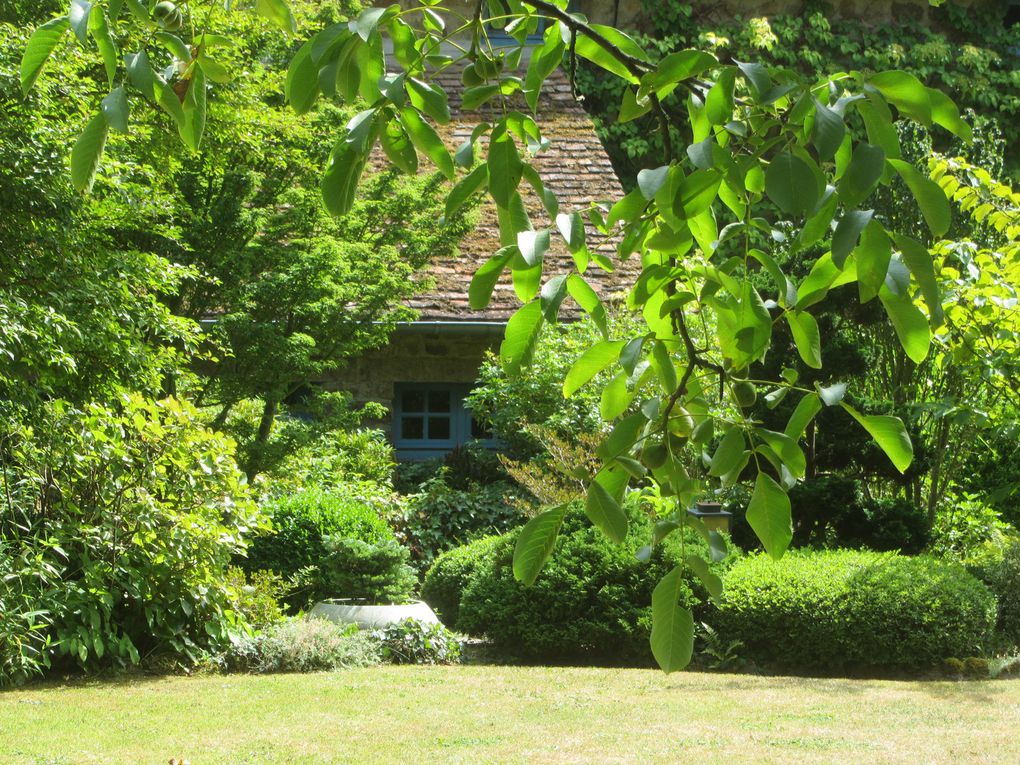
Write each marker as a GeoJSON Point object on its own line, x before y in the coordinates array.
{"type": "Point", "coordinates": [430, 419]}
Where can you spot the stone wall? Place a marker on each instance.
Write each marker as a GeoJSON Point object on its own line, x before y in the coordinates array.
{"type": "Point", "coordinates": [417, 354]}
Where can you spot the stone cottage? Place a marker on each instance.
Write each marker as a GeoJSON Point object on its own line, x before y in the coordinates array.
{"type": "Point", "coordinates": [430, 364]}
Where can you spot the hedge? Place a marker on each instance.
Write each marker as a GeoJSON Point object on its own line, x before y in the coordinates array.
{"type": "Point", "coordinates": [836, 610]}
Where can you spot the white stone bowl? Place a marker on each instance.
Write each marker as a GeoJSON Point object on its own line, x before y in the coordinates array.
{"type": "Point", "coordinates": [372, 617]}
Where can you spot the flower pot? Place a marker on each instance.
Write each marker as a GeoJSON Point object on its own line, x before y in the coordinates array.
{"type": "Point", "coordinates": [370, 616]}
{"type": "Point", "coordinates": [708, 507]}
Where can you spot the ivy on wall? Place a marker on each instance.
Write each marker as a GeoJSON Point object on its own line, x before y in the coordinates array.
{"type": "Point", "coordinates": [970, 54]}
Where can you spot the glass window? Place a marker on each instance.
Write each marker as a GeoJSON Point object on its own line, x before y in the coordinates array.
{"type": "Point", "coordinates": [413, 401]}
{"type": "Point", "coordinates": [412, 427]}
{"type": "Point", "coordinates": [439, 401]}
{"type": "Point", "coordinates": [439, 428]}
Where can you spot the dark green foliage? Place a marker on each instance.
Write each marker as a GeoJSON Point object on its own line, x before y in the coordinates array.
{"type": "Point", "coordinates": [833, 511]}
{"type": "Point", "coordinates": [353, 569]}
{"type": "Point", "coordinates": [258, 596]}
{"type": "Point", "coordinates": [1003, 578]}
{"type": "Point", "coordinates": [440, 516]}
{"type": "Point", "coordinates": [416, 642]}
{"type": "Point", "coordinates": [117, 532]}
{"type": "Point", "coordinates": [845, 610]}
{"type": "Point", "coordinates": [447, 578]}
{"type": "Point", "coordinates": [301, 523]}
{"type": "Point", "coordinates": [592, 599]}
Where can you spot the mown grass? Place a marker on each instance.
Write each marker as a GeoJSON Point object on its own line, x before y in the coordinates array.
{"type": "Point", "coordinates": [480, 714]}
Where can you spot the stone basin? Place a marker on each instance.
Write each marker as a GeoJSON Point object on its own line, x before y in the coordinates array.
{"type": "Point", "coordinates": [370, 616]}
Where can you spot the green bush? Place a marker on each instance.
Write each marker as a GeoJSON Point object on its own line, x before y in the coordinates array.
{"type": "Point", "coordinates": [302, 521]}
{"type": "Point", "coordinates": [829, 611]}
{"type": "Point", "coordinates": [592, 599]}
{"type": "Point", "coordinates": [1003, 578]}
{"type": "Point", "coordinates": [301, 645]}
{"type": "Point", "coordinates": [416, 642]}
{"type": "Point", "coordinates": [352, 569]}
{"type": "Point", "coordinates": [446, 580]}
{"type": "Point", "coordinates": [440, 516]}
{"type": "Point", "coordinates": [119, 525]}
{"type": "Point", "coordinates": [258, 596]}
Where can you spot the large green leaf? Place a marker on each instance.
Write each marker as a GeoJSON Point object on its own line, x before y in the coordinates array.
{"type": "Point", "coordinates": [708, 577]}
{"type": "Point", "coordinates": [522, 333]}
{"type": "Point", "coordinates": [99, 27]}
{"type": "Point", "coordinates": [719, 101]}
{"type": "Point", "coordinates": [78, 16]}
{"type": "Point", "coordinates": [672, 637]}
{"type": "Point", "coordinates": [38, 49]}
{"type": "Point", "coordinates": [533, 245]}
{"type": "Point", "coordinates": [302, 84]}
{"type": "Point", "coordinates": [278, 13]}
{"type": "Point", "coordinates": [486, 277]}
{"type": "Point", "coordinates": [848, 232]}
{"type": "Point", "coordinates": [505, 169]}
{"type": "Point", "coordinates": [769, 515]}
{"type": "Point", "coordinates": [536, 542]}
{"type": "Point", "coordinates": [603, 509]}
{"type": "Point", "coordinates": [786, 449]}
{"type": "Point", "coordinates": [873, 255]}
{"type": "Point", "coordinates": [805, 411]}
{"type": "Point", "coordinates": [918, 259]}
{"type": "Point", "coordinates": [115, 109]}
{"type": "Point", "coordinates": [910, 324]}
{"type": "Point", "coordinates": [728, 454]}
{"type": "Point", "coordinates": [87, 152]}
{"type": "Point", "coordinates": [889, 433]}
{"type": "Point", "coordinates": [339, 182]}
{"type": "Point", "coordinates": [587, 48]}
{"type": "Point", "coordinates": [945, 113]}
{"type": "Point", "coordinates": [543, 61]}
{"type": "Point", "coordinates": [588, 299]}
{"type": "Point", "coordinates": [828, 131]}
{"type": "Point", "coordinates": [905, 92]}
{"type": "Point", "coordinates": [194, 106]}
{"type": "Point", "coordinates": [862, 176]}
{"type": "Point", "coordinates": [806, 336]}
{"type": "Point", "coordinates": [790, 183]}
{"type": "Point", "coordinates": [427, 141]}
{"type": "Point", "coordinates": [470, 184]}
{"type": "Point", "coordinates": [929, 195]}
{"type": "Point", "coordinates": [429, 99]}
{"type": "Point", "coordinates": [590, 363]}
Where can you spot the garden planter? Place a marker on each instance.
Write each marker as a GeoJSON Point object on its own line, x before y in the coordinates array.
{"type": "Point", "coordinates": [372, 616]}
{"type": "Point", "coordinates": [712, 515]}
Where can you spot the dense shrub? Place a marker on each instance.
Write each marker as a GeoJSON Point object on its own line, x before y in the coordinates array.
{"type": "Point", "coordinates": [966, 525]}
{"type": "Point", "coordinates": [258, 596]}
{"type": "Point", "coordinates": [1003, 578]}
{"type": "Point", "coordinates": [301, 645]}
{"type": "Point", "coordinates": [446, 580]}
{"type": "Point", "coordinates": [302, 521]}
{"type": "Point", "coordinates": [440, 516]}
{"type": "Point", "coordinates": [592, 599]}
{"type": "Point", "coordinates": [352, 569]}
{"type": "Point", "coordinates": [416, 642]}
{"type": "Point", "coordinates": [833, 610]}
{"type": "Point", "coordinates": [119, 524]}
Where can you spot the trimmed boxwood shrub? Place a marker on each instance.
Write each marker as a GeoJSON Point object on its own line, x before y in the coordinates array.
{"type": "Point", "coordinates": [842, 609]}
{"type": "Point", "coordinates": [592, 599]}
{"type": "Point", "coordinates": [446, 580]}
{"type": "Point", "coordinates": [302, 521]}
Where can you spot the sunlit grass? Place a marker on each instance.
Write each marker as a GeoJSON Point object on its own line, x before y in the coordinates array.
{"type": "Point", "coordinates": [510, 715]}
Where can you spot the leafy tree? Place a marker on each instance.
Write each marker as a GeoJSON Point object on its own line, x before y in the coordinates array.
{"type": "Point", "coordinates": [774, 163]}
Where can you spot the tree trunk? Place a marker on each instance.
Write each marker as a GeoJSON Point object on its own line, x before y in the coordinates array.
{"type": "Point", "coordinates": [269, 410]}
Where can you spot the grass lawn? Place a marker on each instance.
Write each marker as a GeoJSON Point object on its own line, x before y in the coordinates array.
{"type": "Point", "coordinates": [482, 714]}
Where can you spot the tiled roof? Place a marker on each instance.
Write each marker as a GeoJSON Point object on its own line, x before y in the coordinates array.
{"type": "Point", "coordinates": [575, 167]}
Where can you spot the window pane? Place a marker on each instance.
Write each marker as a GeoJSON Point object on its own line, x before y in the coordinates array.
{"type": "Point", "coordinates": [439, 428]}
{"type": "Point", "coordinates": [439, 401]}
{"type": "Point", "coordinates": [478, 430]}
{"type": "Point", "coordinates": [413, 401]}
{"type": "Point", "coordinates": [412, 427]}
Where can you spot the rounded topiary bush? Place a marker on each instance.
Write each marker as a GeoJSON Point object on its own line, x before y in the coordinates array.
{"type": "Point", "coordinates": [843, 609]}
{"type": "Point", "coordinates": [592, 599]}
{"type": "Point", "coordinates": [303, 520]}
{"type": "Point", "coordinates": [446, 580]}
